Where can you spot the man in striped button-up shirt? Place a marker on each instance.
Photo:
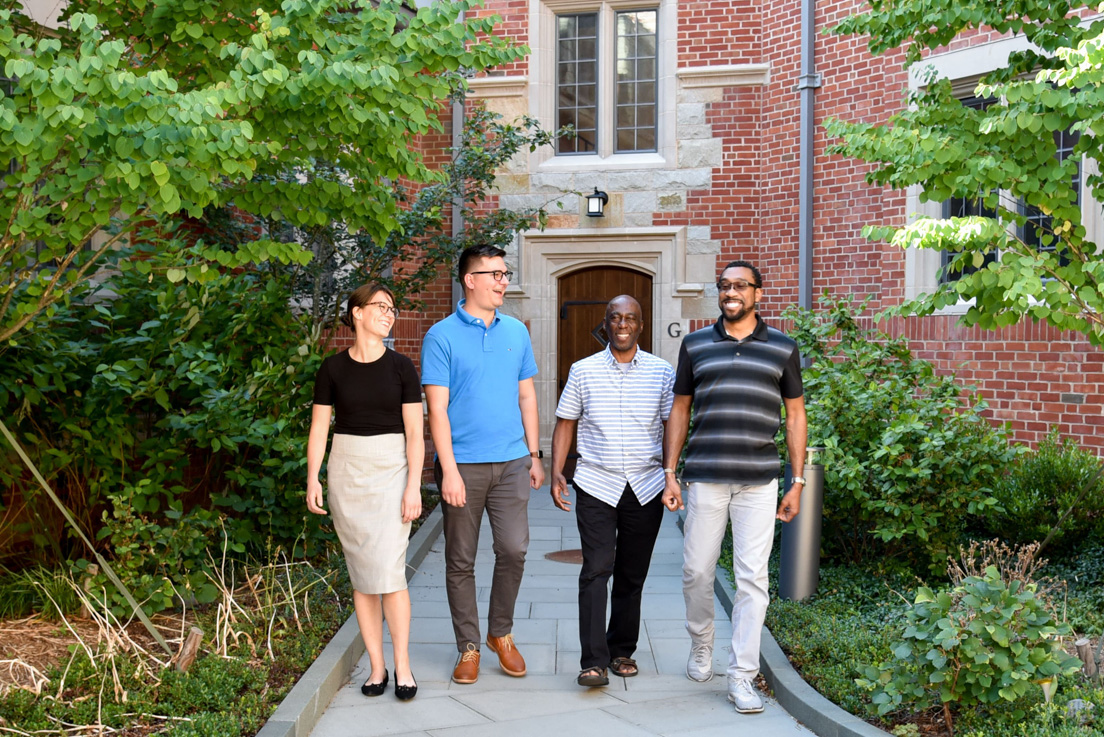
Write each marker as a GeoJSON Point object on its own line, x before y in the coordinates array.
{"type": "Point", "coordinates": [620, 399]}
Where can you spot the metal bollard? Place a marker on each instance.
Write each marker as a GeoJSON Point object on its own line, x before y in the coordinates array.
{"type": "Point", "coordinates": [800, 560]}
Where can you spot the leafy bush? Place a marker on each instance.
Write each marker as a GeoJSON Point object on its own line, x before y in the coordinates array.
{"type": "Point", "coordinates": [169, 417]}
{"type": "Point", "coordinates": [855, 618]}
{"type": "Point", "coordinates": [1054, 493]}
{"type": "Point", "coordinates": [983, 641]}
{"type": "Point", "coordinates": [908, 458]}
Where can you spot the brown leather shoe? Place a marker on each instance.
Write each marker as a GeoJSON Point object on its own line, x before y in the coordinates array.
{"type": "Point", "coordinates": [509, 659]}
{"type": "Point", "coordinates": [467, 667]}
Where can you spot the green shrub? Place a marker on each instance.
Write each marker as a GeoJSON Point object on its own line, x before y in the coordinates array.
{"type": "Point", "coordinates": [908, 457]}
{"type": "Point", "coordinates": [171, 419]}
{"type": "Point", "coordinates": [1054, 493]}
{"type": "Point", "coordinates": [983, 641]}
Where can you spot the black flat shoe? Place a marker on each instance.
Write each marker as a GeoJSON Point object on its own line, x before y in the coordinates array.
{"type": "Point", "coordinates": [375, 689]}
{"type": "Point", "coordinates": [405, 693]}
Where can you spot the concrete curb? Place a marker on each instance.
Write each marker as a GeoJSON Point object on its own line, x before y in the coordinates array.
{"type": "Point", "coordinates": [803, 702]}
{"type": "Point", "coordinates": [301, 709]}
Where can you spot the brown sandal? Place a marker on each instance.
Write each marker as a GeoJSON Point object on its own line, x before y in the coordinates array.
{"type": "Point", "coordinates": [624, 667]}
{"type": "Point", "coordinates": [593, 677]}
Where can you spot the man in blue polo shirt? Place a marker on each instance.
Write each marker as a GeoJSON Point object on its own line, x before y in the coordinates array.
{"type": "Point", "coordinates": [619, 398]}
{"type": "Point", "coordinates": [477, 371]}
{"type": "Point", "coordinates": [738, 374]}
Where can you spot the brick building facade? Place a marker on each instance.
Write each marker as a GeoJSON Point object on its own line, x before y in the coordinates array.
{"type": "Point", "coordinates": [709, 173]}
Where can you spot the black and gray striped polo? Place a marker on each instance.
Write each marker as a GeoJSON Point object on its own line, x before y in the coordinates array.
{"type": "Point", "coordinates": [737, 386]}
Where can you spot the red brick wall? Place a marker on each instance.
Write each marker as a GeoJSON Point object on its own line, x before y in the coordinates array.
{"type": "Point", "coordinates": [514, 26]}
{"type": "Point", "coordinates": [1032, 376]}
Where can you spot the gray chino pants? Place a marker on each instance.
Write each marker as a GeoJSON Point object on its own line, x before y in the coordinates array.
{"type": "Point", "coordinates": [502, 489]}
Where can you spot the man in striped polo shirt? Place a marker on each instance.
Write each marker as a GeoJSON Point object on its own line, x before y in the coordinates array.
{"type": "Point", "coordinates": [736, 374]}
{"type": "Point", "coordinates": [619, 398]}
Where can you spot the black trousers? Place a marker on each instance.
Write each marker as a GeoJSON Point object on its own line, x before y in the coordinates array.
{"type": "Point", "coordinates": [616, 541]}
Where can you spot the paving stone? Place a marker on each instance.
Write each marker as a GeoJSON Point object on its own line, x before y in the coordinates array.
{"type": "Point", "coordinates": [588, 723]}
{"type": "Point", "coordinates": [522, 705]}
{"type": "Point", "coordinates": [395, 717]}
{"type": "Point", "coordinates": [659, 701]}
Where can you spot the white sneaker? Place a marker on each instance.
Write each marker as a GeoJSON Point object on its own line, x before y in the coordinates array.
{"type": "Point", "coordinates": [700, 665]}
{"type": "Point", "coordinates": [744, 696]}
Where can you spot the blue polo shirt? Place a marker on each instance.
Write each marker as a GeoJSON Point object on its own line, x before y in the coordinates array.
{"type": "Point", "coordinates": [481, 366]}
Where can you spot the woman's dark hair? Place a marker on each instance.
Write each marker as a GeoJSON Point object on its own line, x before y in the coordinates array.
{"type": "Point", "coordinates": [361, 296]}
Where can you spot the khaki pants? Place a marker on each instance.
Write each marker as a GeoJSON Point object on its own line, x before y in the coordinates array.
{"type": "Point", "coordinates": [502, 489]}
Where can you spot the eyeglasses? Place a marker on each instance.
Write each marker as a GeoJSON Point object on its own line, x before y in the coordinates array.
{"type": "Point", "coordinates": [496, 275]}
{"type": "Point", "coordinates": [386, 308]}
{"type": "Point", "coordinates": [739, 285]}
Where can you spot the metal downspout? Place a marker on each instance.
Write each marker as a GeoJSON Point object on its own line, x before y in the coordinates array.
{"type": "Point", "coordinates": [807, 85]}
{"type": "Point", "coordinates": [459, 111]}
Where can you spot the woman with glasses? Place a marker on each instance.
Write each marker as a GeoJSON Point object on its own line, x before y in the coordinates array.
{"type": "Point", "coordinates": [374, 474]}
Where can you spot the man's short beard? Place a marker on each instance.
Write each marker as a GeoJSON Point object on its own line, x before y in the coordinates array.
{"type": "Point", "coordinates": [744, 312]}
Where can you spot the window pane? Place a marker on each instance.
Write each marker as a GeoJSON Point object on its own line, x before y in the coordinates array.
{"type": "Point", "coordinates": [958, 207]}
{"type": "Point", "coordinates": [636, 72]}
{"type": "Point", "coordinates": [586, 95]}
{"type": "Point", "coordinates": [587, 48]}
{"type": "Point", "coordinates": [567, 74]}
{"type": "Point", "coordinates": [1037, 231]}
{"type": "Point", "coordinates": [576, 77]}
{"type": "Point", "coordinates": [587, 72]}
{"type": "Point", "coordinates": [586, 120]}
{"type": "Point", "coordinates": [626, 116]}
{"type": "Point", "coordinates": [626, 47]}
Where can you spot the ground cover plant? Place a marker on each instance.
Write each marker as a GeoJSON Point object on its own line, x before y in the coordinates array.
{"type": "Point", "coordinates": [266, 625]}
{"type": "Point", "coordinates": [857, 617]}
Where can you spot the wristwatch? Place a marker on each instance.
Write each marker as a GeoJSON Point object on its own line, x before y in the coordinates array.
{"type": "Point", "coordinates": [536, 453]}
{"type": "Point", "coordinates": [798, 480]}
{"type": "Point", "coordinates": [670, 471]}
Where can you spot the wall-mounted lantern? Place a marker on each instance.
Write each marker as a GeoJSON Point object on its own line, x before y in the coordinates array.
{"type": "Point", "coordinates": [596, 203]}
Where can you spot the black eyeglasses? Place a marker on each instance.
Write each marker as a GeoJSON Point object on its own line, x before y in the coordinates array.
{"type": "Point", "coordinates": [496, 275]}
{"type": "Point", "coordinates": [386, 308]}
{"type": "Point", "coordinates": [739, 285]}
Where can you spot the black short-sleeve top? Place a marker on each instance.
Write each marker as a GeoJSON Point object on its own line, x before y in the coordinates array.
{"type": "Point", "coordinates": [367, 397]}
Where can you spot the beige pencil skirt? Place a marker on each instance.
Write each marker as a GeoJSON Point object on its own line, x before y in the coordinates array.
{"type": "Point", "coordinates": [367, 477]}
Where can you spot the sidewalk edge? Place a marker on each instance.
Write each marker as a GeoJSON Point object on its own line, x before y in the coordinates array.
{"type": "Point", "coordinates": [299, 712]}
{"type": "Point", "coordinates": [803, 702]}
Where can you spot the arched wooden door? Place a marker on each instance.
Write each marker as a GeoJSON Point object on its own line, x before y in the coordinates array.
{"type": "Point", "coordinates": [583, 296]}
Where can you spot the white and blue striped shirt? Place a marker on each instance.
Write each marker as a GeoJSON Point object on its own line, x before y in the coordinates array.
{"type": "Point", "coordinates": [621, 414]}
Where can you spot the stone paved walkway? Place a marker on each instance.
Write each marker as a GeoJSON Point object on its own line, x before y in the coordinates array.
{"type": "Point", "coordinates": [660, 701]}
